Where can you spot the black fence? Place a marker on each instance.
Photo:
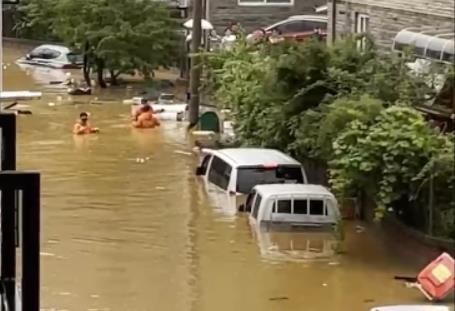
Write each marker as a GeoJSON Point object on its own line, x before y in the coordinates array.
{"type": "Point", "coordinates": [20, 226]}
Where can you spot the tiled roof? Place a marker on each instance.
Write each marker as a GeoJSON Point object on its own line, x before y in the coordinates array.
{"type": "Point", "coordinates": [432, 7]}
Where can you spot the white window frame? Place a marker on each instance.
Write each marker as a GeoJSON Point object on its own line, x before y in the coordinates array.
{"type": "Point", "coordinates": [361, 25]}
{"type": "Point", "coordinates": [263, 3]}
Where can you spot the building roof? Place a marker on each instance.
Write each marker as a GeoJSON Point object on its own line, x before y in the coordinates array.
{"type": "Point", "coordinates": [290, 189]}
{"type": "Point", "coordinates": [255, 156]}
{"type": "Point", "coordinates": [443, 8]}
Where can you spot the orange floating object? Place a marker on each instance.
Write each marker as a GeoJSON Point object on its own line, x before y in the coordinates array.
{"type": "Point", "coordinates": [437, 279]}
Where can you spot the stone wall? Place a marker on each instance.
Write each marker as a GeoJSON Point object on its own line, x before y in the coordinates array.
{"type": "Point", "coordinates": [222, 12]}
{"type": "Point", "coordinates": [385, 23]}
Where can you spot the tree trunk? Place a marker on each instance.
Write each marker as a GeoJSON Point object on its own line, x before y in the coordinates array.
{"type": "Point", "coordinates": [86, 68]}
{"type": "Point", "coordinates": [99, 72]}
{"type": "Point", "coordinates": [114, 76]}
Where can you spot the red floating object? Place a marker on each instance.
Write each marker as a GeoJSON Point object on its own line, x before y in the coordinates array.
{"type": "Point", "coordinates": [438, 278]}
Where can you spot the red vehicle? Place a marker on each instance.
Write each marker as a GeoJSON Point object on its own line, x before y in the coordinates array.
{"type": "Point", "coordinates": [299, 28]}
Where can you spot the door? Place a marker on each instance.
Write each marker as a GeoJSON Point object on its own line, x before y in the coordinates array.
{"type": "Point", "coordinates": [217, 185]}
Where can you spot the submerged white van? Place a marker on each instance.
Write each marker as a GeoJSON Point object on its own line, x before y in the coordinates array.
{"type": "Point", "coordinates": [292, 206]}
{"type": "Point", "coordinates": [234, 172]}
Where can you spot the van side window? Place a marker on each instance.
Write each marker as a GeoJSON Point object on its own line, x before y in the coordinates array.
{"type": "Point", "coordinates": [284, 207]}
{"type": "Point", "coordinates": [316, 207]}
{"type": "Point", "coordinates": [220, 173]}
{"type": "Point", "coordinates": [205, 164]}
{"type": "Point", "coordinates": [300, 207]}
{"type": "Point", "coordinates": [257, 203]}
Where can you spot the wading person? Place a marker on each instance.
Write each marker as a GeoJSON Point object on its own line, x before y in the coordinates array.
{"type": "Point", "coordinates": [145, 118]}
{"type": "Point", "coordinates": [82, 126]}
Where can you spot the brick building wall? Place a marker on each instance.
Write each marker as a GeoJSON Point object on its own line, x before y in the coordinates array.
{"type": "Point", "coordinates": [222, 12]}
{"type": "Point", "coordinates": [388, 17]}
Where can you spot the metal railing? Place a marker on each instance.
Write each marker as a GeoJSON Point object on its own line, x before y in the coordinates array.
{"type": "Point", "coordinates": [19, 204]}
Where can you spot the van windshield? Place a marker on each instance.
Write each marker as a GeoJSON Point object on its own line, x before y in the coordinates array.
{"type": "Point", "coordinates": [248, 177]}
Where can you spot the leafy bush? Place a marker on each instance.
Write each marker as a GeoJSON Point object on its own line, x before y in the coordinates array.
{"type": "Point", "coordinates": [384, 158]}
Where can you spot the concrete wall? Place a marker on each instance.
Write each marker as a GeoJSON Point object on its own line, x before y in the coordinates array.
{"type": "Point", "coordinates": [386, 22]}
{"type": "Point", "coordinates": [222, 12]}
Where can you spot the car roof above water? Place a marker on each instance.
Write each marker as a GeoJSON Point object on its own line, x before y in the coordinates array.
{"type": "Point", "coordinates": [255, 157]}
{"type": "Point", "coordinates": [293, 189]}
{"type": "Point", "coordinates": [321, 18]}
{"type": "Point", "coordinates": [60, 48]}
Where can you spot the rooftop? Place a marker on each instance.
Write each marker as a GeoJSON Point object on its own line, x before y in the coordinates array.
{"type": "Point", "coordinates": [293, 189]}
{"type": "Point", "coordinates": [256, 156]}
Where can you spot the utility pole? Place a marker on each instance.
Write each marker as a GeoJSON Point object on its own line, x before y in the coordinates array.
{"type": "Point", "coordinates": [195, 74]}
{"type": "Point", "coordinates": [333, 21]}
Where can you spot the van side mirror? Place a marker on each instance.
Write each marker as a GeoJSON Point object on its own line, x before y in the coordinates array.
{"type": "Point", "coordinates": [28, 57]}
{"type": "Point", "coordinates": [199, 171]}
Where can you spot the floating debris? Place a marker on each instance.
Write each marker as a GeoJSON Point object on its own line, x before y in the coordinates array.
{"type": "Point", "coordinates": [160, 188]}
{"type": "Point", "coordinates": [183, 152]}
{"type": "Point", "coordinates": [279, 298]}
{"type": "Point", "coordinates": [334, 263]}
{"type": "Point", "coordinates": [359, 229]}
{"type": "Point", "coordinates": [51, 104]}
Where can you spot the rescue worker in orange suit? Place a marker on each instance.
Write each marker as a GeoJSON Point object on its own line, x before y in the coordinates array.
{"type": "Point", "coordinates": [145, 118]}
{"type": "Point", "coordinates": [82, 126]}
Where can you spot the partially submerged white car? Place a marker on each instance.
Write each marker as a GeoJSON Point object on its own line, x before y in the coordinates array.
{"type": "Point", "coordinates": [412, 308]}
{"type": "Point", "coordinates": [53, 56]}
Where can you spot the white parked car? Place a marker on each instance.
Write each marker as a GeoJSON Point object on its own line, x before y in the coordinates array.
{"type": "Point", "coordinates": [297, 28]}
{"type": "Point", "coordinates": [53, 56]}
{"type": "Point", "coordinates": [412, 308]}
{"type": "Point", "coordinates": [230, 174]}
{"type": "Point", "coordinates": [289, 207]}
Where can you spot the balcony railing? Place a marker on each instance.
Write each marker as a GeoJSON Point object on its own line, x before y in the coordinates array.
{"type": "Point", "coordinates": [20, 226]}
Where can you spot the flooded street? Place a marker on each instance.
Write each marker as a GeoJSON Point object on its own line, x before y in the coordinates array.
{"type": "Point", "coordinates": [122, 235]}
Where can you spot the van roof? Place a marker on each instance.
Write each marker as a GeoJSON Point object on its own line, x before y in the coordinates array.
{"type": "Point", "coordinates": [276, 189]}
{"type": "Point", "coordinates": [255, 156]}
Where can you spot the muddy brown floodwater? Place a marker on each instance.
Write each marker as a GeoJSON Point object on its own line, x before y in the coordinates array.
{"type": "Point", "coordinates": [121, 235]}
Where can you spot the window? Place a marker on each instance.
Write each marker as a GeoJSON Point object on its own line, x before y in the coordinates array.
{"type": "Point", "coordinates": [284, 207]}
{"type": "Point", "coordinates": [266, 2]}
{"type": "Point", "coordinates": [50, 54]}
{"type": "Point", "coordinates": [316, 207]}
{"type": "Point", "coordinates": [301, 26]}
{"type": "Point", "coordinates": [248, 177]}
{"type": "Point", "coordinates": [220, 173]}
{"type": "Point", "coordinates": [361, 27]}
{"type": "Point", "coordinates": [300, 207]}
{"type": "Point", "coordinates": [37, 53]}
{"type": "Point", "coordinates": [205, 164]}
{"type": "Point", "coordinates": [75, 58]}
{"type": "Point", "coordinates": [257, 204]}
